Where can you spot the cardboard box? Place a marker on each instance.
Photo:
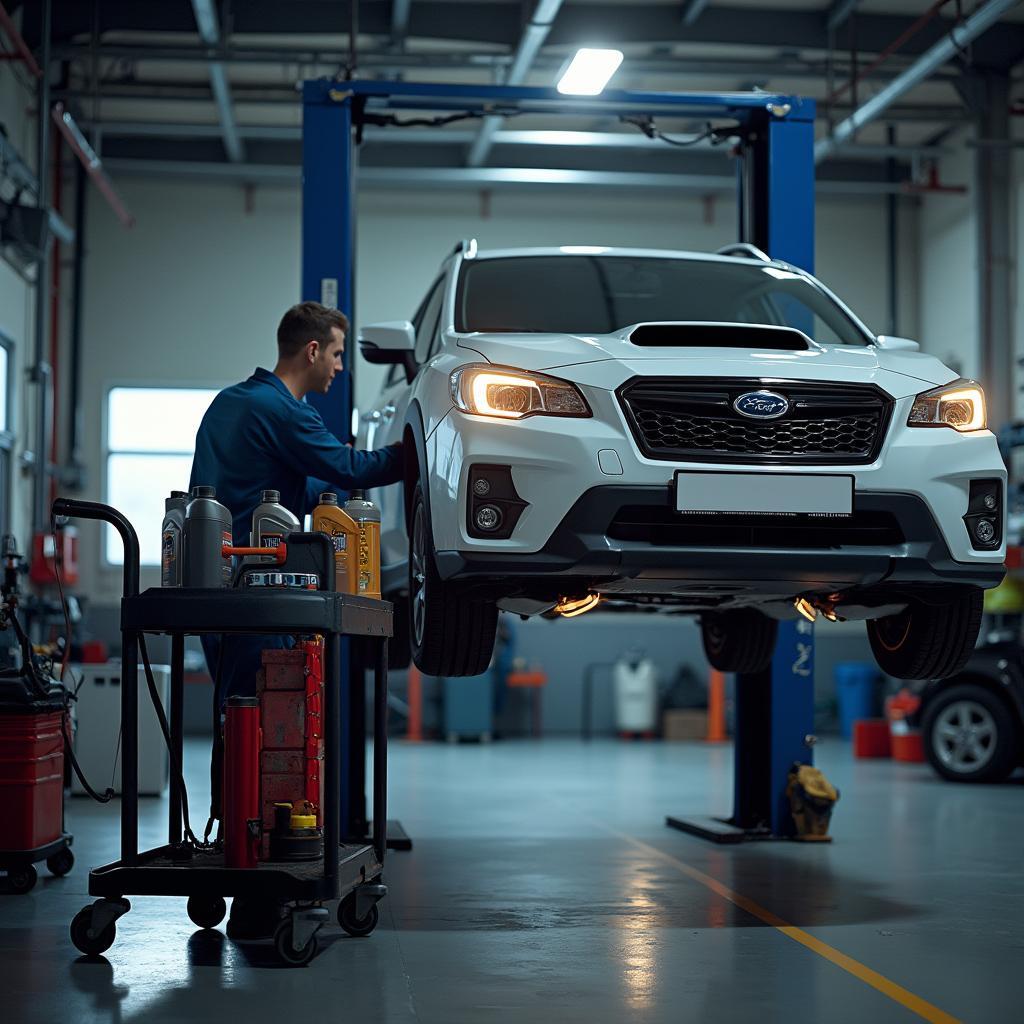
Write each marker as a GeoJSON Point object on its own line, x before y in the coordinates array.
{"type": "Point", "coordinates": [684, 724]}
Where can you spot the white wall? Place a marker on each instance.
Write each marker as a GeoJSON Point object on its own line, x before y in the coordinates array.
{"type": "Point", "coordinates": [193, 293]}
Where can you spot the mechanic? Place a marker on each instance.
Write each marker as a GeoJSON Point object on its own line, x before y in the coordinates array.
{"type": "Point", "coordinates": [261, 434]}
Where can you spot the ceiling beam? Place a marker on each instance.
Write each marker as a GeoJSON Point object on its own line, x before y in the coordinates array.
{"type": "Point", "coordinates": [399, 22]}
{"type": "Point", "coordinates": [980, 21]}
{"type": "Point", "coordinates": [839, 13]}
{"type": "Point", "coordinates": [209, 32]}
{"type": "Point", "coordinates": [477, 177]}
{"type": "Point", "coordinates": [692, 10]}
{"type": "Point", "coordinates": [532, 40]}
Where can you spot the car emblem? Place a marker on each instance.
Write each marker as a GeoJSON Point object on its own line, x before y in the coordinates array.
{"type": "Point", "coordinates": [761, 405]}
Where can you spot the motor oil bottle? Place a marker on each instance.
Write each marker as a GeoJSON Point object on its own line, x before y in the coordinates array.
{"type": "Point", "coordinates": [272, 522]}
{"type": "Point", "coordinates": [207, 530]}
{"type": "Point", "coordinates": [367, 518]}
{"type": "Point", "coordinates": [343, 530]}
{"type": "Point", "coordinates": [172, 538]}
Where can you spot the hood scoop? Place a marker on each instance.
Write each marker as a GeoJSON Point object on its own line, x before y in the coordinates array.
{"type": "Point", "coordinates": [718, 335]}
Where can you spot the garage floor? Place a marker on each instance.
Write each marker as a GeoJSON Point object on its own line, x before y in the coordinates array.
{"type": "Point", "coordinates": [543, 886]}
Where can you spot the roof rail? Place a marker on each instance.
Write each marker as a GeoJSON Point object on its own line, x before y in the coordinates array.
{"type": "Point", "coordinates": [743, 249]}
{"type": "Point", "coordinates": [467, 246]}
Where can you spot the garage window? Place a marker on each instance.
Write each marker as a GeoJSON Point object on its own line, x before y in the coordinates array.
{"type": "Point", "coordinates": [150, 441]}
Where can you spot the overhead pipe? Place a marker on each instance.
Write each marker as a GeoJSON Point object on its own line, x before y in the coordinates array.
{"type": "Point", "coordinates": [529, 46]}
{"type": "Point", "coordinates": [957, 38]}
{"type": "Point", "coordinates": [92, 163]}
{"type": "Point", "coordinates": [209, 32]}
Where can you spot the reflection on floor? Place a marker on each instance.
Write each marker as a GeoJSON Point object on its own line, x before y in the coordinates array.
{"type": "Point", "coordinates": [524, 899]}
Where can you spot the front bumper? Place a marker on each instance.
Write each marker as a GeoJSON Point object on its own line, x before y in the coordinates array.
{"type": "Point", "coordinates": [625, 539]}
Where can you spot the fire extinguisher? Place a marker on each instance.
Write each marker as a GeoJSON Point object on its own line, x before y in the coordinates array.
{"type": "Point", "coordinates": [242, 822]}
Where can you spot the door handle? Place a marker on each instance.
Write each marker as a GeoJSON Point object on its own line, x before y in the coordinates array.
{"type": "Point", "coordinates": [388, 412]}
{"type": "Point", "coordinates": [372, 417]}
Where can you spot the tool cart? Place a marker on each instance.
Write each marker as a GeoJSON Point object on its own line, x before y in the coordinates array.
{"type": "Point", "coordinates": [352, 877]}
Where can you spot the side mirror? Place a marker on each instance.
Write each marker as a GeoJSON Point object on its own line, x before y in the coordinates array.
{"type": "Point", "coordinates": [387, 342]}
{"type": "Point", "coordinates": [892, 344]}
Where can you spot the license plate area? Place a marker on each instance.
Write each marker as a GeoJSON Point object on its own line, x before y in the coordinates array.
{"type": "Point", "coordinates": [763, 494]}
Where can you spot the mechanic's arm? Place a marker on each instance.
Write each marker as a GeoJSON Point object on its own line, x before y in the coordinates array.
{"type": "Point", "coordinates": [318, 453]}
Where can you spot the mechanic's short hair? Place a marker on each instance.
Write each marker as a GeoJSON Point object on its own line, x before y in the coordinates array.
{"type": "Point", "coordinates": [306, 322]}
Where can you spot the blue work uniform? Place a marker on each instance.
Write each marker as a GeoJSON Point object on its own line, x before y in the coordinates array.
{"type": "Point", "coordinates": [258, 436]}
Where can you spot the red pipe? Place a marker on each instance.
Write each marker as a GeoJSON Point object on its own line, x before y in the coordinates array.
{"type": "Point", "coordinates": [91, 162]}
{"type": "Point", "coordinates": [890, 49]}
{"type": "Point", "coordinates": [58, 188]}
{"type": "Point", "coordinates": [24, 53]}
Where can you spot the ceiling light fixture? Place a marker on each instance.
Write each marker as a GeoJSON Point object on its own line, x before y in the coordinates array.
{"type": "Point", "coordinates": [589, 71]}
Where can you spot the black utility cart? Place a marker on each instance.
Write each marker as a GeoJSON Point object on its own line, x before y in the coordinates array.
{"type": "Point", "coordinates": [352, 877]}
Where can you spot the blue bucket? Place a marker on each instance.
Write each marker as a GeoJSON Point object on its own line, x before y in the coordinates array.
{"type": "Point", "coordinates": [856, 688]}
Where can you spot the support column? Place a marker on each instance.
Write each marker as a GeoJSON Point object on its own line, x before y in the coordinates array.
{"type": "Point", "coordinates": [328, 230]}
{"type": "Point", "coordinates": [992, 214]}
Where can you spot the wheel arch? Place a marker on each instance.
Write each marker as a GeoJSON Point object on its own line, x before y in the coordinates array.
{"type": "Point", "coordinates": [415, 458]}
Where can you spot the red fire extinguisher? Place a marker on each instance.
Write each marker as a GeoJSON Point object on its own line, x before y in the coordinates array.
{"type": "Point", "coordinates": [241, 782]}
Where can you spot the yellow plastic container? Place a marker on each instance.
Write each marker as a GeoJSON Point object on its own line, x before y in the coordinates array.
{"type": "Point", "coordinates": [344, 532]}
{"type": "Point", "coordinates": [367, 516]}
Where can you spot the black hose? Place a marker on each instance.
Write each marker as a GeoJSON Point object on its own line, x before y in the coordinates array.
{"type": "Point", "coordinates": [177, 777]}
{"type": "Point", "coordinates": [108, 793]}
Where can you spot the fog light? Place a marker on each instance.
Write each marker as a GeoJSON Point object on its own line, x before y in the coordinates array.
{"type": "Point", "coordinates": [487, 518]}
{"type": "Point", "coordinates": [990, 501]}
{"type": "Point", "coordinates": [481, 487]}
{"type": "Point", "coordinates": [985, 531]}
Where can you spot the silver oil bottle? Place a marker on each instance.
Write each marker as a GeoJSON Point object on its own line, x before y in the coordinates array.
{"type": "Point", "coordinates": [172, 538]}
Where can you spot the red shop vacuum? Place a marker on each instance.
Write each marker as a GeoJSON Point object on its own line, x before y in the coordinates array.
{"type": "Point", "coordinates": [33, 731]}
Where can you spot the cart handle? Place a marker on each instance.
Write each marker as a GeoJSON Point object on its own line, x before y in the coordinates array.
{"type": "Point", "coordinates": [74, 509]}
{"type": "Point", "coordinates": [280, 553]}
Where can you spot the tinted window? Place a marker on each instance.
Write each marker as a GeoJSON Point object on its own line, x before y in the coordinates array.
{"type": "Point", "coordinates": [426, 325]}
{"type": "Point", "coordinates": [603, 294]}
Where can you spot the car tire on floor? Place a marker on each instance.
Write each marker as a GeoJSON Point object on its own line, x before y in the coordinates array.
{"type": "Point", "coordinates": [970, 734]}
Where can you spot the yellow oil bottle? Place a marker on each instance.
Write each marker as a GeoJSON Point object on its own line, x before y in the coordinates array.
{"type": "Point", "coordinates": [367, 516]}
{"type": "Point", "coordinates": [330, 518]}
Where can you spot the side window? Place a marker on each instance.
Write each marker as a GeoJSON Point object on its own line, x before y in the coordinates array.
{"type": "Point", "coordinates": [426, 328]}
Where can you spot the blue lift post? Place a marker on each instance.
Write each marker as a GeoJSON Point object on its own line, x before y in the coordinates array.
{"type": "Point", "coordinates": [776, 197]}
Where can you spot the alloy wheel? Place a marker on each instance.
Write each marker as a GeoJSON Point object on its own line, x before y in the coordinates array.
{"type": "Point", "coordinates": [964, 736]}
{"type": "Point", "coordinates": [417, 575]}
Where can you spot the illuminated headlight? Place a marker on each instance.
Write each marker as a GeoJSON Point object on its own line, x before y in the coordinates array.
{"type": "Point", "coordinates": [491, 391]}
{"type": "Point", "coordinates": [960, 405]}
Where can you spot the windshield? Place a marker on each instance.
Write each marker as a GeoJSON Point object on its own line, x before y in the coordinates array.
{"type": "Point", "coordinates": [603, 294]}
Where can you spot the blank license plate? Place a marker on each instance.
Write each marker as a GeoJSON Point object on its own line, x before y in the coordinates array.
{"type": "Point", "coordinates": [764, 494]}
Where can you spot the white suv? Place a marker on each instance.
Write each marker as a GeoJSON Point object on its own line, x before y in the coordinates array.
{"type": "Point", "coordinates": [713, 435]}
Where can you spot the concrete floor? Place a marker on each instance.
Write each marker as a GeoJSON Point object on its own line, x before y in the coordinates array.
{"type": "Point", "coordinates": [544, 887]}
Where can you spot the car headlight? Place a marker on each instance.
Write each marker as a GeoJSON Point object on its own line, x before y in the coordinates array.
{"type": "Point", "coordinates": [486, 390]}
{"type": "Point", "coordinates": [960, 405]}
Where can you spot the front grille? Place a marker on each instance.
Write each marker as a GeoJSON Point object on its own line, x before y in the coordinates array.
{"type": "Point", "coordinates": [694, 420]}
{"type": "Point", "coordinates": [661, 526]}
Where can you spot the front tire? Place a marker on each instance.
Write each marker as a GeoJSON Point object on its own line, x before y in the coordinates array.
{"type": "Point", "coordinates": [742, 640]}
{"type": "Point", "coordinates": [927, 641]}
{"type": "Point", "coordinates": [970, 735]}
{"type": "Point", "coordinates": [451, 633]}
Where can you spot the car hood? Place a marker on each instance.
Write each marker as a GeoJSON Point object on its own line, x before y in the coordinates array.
{"type": "Point", "coordinates": [607, 360]}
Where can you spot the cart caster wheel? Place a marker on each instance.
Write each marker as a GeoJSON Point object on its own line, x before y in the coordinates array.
{"type": "Point", "coordinates": [283, 944]}
{"type": "Point", "coordinates": [357, 927]}
{"type": "Point", "coordinates": [206, 911]}
{"type": "Point", "coordinates": [61, 862]}
{"type": "Point", "coordinates": [21, 880]}
{"type": "Point", "coordinates": [83, 937]}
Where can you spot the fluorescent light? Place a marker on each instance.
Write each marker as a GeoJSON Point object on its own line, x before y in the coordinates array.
{"type": "Point", "coordinates": [589, 71]}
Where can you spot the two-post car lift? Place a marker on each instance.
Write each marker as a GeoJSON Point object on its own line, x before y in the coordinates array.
{"type": "Point", "coordinates": [775, 195]}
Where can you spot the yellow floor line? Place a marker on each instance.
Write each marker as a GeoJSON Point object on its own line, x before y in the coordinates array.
{"type": "Point", "coordinates": [877, 981]}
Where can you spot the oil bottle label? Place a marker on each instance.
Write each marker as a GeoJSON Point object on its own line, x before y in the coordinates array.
{"type": "Point", "coordinates": [169, 559]}
{"type": "Point", "coordinates": [340, 542]}
{"type": "Point", "coordinates": [271, 540]}
{"type": "Point", "coordinates": [225, 569]}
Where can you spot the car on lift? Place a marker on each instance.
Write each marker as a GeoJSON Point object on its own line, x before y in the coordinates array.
{"type": "Point", "coordinates": [714, 435]}
{"type": "Point", "coordinates": [972, 724]}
